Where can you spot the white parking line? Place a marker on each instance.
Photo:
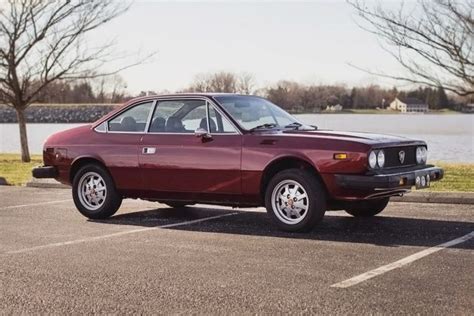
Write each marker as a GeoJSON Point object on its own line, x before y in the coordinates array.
{"type": "Point", "coordinates": [400, 263]}
{"type": "Point", "coordinates": [134, 231]}
{"type": "Point", "coordinates": [34, 204]}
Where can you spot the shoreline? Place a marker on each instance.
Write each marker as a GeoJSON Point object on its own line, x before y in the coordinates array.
{"type": "Point", "coordinates": [383, 112]}
{"type": "Point", "coordinates": [88, 113]}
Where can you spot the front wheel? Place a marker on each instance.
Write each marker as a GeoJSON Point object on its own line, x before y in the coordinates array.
{"type": "Point", "coordinates": [367, 208]}
{"type": "Point", "coordinates": [94, 193]}
{"type": "Point", "coordinates": [295, 200]}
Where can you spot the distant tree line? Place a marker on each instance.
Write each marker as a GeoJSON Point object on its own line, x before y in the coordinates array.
{"type": "Point", "coordinates": [298, 97]}
{"type": "Point", "coordinates": [292, 96]}
{"type": "Point", "coordinates": [100, 90]}
{"type": "Point", "coordinates": [303, 98]}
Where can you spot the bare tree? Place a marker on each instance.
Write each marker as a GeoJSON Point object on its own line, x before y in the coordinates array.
{"type": "Point", "coordinates": [223, 82]}
{"type": "Point", "coordinates": [245, 83]}
{"type": "Point", "coordinates": [43, 41]}
{"type": "Point", "coordinates": [432, 40]}
{"type": "Point", "coordinates": [110, 89]}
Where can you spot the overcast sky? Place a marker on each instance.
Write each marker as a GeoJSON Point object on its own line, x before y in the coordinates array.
{"type": "Point", "coordinates": [310, 42]}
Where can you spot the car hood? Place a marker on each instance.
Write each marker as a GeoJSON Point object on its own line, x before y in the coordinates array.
{"type": "Point", "coordinates": [359, 137]}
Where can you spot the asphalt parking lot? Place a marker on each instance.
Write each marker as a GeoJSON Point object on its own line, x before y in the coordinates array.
{"type": "Point", "coordinates": [213, 260]}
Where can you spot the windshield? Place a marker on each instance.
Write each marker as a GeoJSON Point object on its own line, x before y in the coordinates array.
{"type": "Point", "coordinates": [254, 112]}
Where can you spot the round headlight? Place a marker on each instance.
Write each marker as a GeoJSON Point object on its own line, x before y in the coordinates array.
{"type": "Point", "coordinates": [372, 159]}
{"type": "Point", "coordinates": [381, 158]}
{"type": "Point", "coordinates": [421, 155]}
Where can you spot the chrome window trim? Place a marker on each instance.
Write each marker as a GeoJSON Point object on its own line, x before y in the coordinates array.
{"type": "Point", "coordinates": [123, 132]}
{"type": "Point", "coordinates": [190, 134]}
{"type": "Point", "coordinates": [155, 102]}
{"type": "Point", "coordinates": [208, 118]}
{"type": "Point", "coordinates": [150, 115]}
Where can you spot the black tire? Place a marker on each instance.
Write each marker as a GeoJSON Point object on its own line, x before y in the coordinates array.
{"type": "Point", "coordinates": [175, 204]}
{"type": "Point", "coordinates": [108, 206]}
{"type": "Point", "coordinates": [367, 208]}
{"type": "Point", "coordinates": [316, 200]}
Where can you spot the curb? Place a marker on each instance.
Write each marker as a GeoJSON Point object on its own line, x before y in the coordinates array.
{"type": "Point", "coordinates": [436, 197]}
{"type": "Point", "coordinates": [412, 197]}
{"type": "Point", "coordinates": [46, 184]}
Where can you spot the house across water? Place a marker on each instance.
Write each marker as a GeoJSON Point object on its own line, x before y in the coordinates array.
{"type": "Point", "coordinates": [409, 105]}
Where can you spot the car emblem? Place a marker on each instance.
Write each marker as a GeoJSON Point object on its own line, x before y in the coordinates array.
{"type": "Point", "coordinates": [401, 156]}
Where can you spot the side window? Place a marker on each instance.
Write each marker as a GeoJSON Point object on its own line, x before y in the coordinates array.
{"type": "Point", "coordinates": [132, 120]}
{"type": "Point", "coordinates": [178, 116]}
{"type": "Point", "coordinates": [219, 123]}
{"type": "Point", "coordinates": [196, 118]}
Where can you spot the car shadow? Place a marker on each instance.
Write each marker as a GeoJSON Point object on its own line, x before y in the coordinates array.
{"type": "Point", "coordinates": [379, 230]}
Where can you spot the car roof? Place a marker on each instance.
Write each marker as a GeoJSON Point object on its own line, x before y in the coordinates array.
{"type": "Point", "coordinates": [187, 94]}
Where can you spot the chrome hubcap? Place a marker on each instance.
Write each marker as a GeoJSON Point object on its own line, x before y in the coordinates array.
{"type": "Point", "coordinates": [290, 202]}
{"type": "Point", "coordinates": [92, 190]}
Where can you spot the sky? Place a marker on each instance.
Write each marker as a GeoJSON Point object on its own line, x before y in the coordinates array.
{"type": "Point", "coordinates": [310, 42]}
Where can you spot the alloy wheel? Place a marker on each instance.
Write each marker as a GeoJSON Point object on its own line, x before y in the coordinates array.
{"type": "Point", "coordinates": [290, 202]}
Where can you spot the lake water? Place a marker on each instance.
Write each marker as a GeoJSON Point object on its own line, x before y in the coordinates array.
{"type": "Point", "coordinates": [449, 137]}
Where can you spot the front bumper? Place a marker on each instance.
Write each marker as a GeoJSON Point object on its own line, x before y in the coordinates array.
{"type": "Point", "coordinates": [45, 172]}
{"type": "Point", "coordinates": [389, 179]}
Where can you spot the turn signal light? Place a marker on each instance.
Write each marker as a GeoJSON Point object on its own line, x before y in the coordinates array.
{"type": "Point", "coordinates": [403, 181]}
{"type": "Point", "coordinates": [340, 156]}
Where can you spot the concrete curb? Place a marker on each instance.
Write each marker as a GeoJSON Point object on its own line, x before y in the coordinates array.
{"type": "Point", "coordinates": [412, 197]}
{"type": "Point", "coordinates": [436, 197]}
{"type": "Point", "coordinates": [46, 184]}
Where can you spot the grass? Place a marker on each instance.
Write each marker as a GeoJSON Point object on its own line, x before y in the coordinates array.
{"type": "Point", "coordinates": [458, 177]}
{"type": "Point", "coordinates": [15, 171]}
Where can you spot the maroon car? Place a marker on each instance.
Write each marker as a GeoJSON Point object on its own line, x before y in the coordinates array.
{"type": "Point", "coordinates": [232, 150]}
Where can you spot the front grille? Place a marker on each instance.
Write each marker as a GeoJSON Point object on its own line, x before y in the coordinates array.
{"type": "Point", "coordinates": [392, 156]}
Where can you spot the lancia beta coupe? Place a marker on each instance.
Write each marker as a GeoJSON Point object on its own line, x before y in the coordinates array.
{"type": "Point", "coordinates": [234, 150]}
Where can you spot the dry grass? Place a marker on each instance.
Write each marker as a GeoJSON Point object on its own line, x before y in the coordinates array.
{"type": "Point", "coordinates": [457, 177]}
{"type": "Point", "coordinates": [15, 171]}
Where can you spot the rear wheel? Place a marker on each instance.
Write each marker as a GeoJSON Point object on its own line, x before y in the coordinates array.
{"type": "Point", "coordinates": [367, 208]}
{"type": "Point", "coordinates": [94, 192]}
{"type": "Point", "coordinates": [295, 200]}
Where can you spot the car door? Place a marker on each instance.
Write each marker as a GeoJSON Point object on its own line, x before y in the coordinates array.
{"type": "Point", "coordinates": [119, 146]}
{"type": "Point", "coordinates": [175, 163]}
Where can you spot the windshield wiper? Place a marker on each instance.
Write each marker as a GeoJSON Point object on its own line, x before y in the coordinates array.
{"type": "Point", "coordinates": [266, 125]}
{"type": "Point", "coordinates": [299, 126]}
{"type": "Point", "coordinates": [294, 125]}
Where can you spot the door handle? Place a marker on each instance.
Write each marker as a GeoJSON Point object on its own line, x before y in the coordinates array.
{"type": "Point", "coordinates": [148, 150]}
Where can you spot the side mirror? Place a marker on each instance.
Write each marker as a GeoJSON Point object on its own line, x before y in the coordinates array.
{"type": "Point", "coordinates": [202, 133]}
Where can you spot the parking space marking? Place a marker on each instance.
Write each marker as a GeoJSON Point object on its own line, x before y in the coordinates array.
{"type": "Point", "coordinates": [41, 203]}
{"type": "Point", "coordinates": [400, 263]}
{"type": "Point", "coordinates": [134, 231]}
